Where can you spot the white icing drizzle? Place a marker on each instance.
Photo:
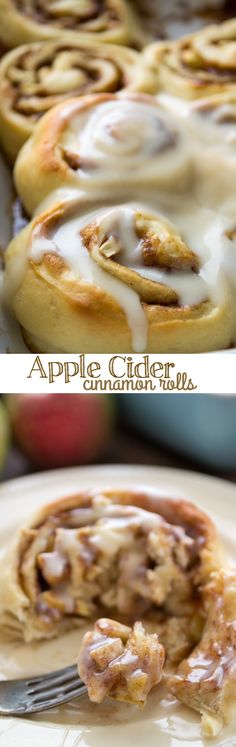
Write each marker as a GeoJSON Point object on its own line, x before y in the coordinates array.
{"type": "Point", "coordinates": [215, 122]}
{"type": "Point", "coordinates": [124, 129]}
{"type": "Point", "coordinates": [211, 126]}
{"type": "Point", "coordinates": [54, 563]}
{"type": "Point", "coordinates": [68, 243]}
{"type": "Point", "coordinates": [123, 140]}
{"type": "Point", "coordinates": [202, 230]}
{"type": "Point", "coordinates": [120, 222]}
{"type": "Point", "coordinates": [220, 270]}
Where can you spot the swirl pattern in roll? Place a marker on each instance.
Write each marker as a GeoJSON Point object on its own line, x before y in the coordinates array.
{"type": "Point", "coordinates": [76, 557]}
{"type": "Point", "coordinates": [156, 563]}
{"type": "Point", "coordinates": [198, 65]}
{"type": "Point", "coordinates": [113, 21]}
{"type": "Point", "coordinates": [103, 146]}
{"type": "Point", "coordinates": [123, 278]}
{"type": "Point", "coordinates": [35, 77]}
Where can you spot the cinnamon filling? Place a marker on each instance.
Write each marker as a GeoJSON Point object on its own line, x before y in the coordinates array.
{"type": "Point", "coordinates": [83, 19]}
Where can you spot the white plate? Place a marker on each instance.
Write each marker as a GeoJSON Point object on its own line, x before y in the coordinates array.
{"type": "Point", "coordinates": [82, 724]}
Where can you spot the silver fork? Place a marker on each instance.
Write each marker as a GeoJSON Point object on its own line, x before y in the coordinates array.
{"type": "Point", "coordinates": [35, 694]}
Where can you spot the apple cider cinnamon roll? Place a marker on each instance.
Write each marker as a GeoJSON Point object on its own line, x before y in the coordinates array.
{"type": "Point", "coordinates": [129, 554]}
{"type": "Point", "coordinates": [123, 278]}
{"type": "Point", "coordinates": [198, 65]}
{"type": "Point", "coordinates": [215, 121]}
{"type": "Point", "coordinates": [103, 146]}
{"type": "Point", "coordinates": [92, 20]}
{"type": "Point", "coordinates": [121, 662]}
{"type": "Point", "coordinates": [211, 120]}
{"type": "Point", "coordinates": [210, 123]}
{"type": "Point", "coordinates": [35, 77]}
{"type": "Point", "coordinates": [206, 680]}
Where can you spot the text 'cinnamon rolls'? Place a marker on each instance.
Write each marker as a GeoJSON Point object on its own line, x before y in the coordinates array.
{"type": "Point", "coordinates": [113, 21]}
{"type": "Point", "coordinates": [149, 574]}
{"type": "Point", "coordinates": [35, 77]}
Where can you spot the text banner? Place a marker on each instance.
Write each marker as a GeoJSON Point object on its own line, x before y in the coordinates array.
{"type": "Point", "coordinates": [118, 373]}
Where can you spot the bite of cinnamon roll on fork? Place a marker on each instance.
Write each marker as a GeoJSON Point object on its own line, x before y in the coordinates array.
{"type": "Point", "coordinates": [121, 662]}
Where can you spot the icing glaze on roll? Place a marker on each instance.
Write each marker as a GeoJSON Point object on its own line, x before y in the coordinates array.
{"type": "Point", "coordinates": [211, 125]}
{"type": "Point", "coordinates": [124, 138]}
{"type": "Point", "coordinates": [108, 147]}
{"type": "Point", "coordinates": [183, 266]}
{"type": "Point", "coordinates": [211, 119]}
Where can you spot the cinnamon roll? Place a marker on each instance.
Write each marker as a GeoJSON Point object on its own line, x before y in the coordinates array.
{"type": "Point", "coordinates": [126, 553]}
{"type": "Point", "coordinates": [214, 118]}
{"type": "Point", "coordinates": [103, 145]}
{"type": "Point", "coordinates": [211, 125]}
{"type": "Point", "coordinates": [113, 21]}
{"type": "Point", "coordinates": [35, 77]}
{"type": "Point", "coordinates": [148, 576]}
{"type": "Point", "coordinates": [205, 680]}
{"type": "Point", "coordinates": [211, 120]}
{"type": "Point", "coordinates": [123, 278]}
{"type": "Point", "coordinates": [198, 65]}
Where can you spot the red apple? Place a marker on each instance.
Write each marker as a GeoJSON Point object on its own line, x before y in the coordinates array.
{"type": "Point", "coordinates": [59, 430]}
{"type": "Point", "coordinates": [4, 435]}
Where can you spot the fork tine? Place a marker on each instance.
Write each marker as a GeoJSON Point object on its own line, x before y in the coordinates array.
{"type": "Point", "coordinates": [45, 705]}
{"type": "Point", "coordinates": [57, 678]}
{"type": "Point", "coordinates": [38, 695]}
{"type": "Point", "coordinates": [14, 699]}
{"type": "Point", "coordinates": [71, 670]}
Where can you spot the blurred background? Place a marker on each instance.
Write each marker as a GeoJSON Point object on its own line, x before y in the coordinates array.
{"type": "Point", "coordinates": [187, 431]}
